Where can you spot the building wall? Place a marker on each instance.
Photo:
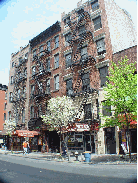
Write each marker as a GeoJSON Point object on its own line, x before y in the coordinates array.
{"type": "Point", "coordinates": [3, 101]}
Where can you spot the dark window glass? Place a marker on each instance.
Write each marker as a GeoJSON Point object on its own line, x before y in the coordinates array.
{"type": "Point", "coordinates": [48, 86]}
{"type": "Point", "coordinates": [87, 112]}
{"type": "Point", "coordinates": [69, 87]}
{"type": "Point", "coordinates": [103, 73]}
{"type": "Point", "coordinates": [67, 39]}
{"type": "Point", "coordinates": [95, 5]}
{"type": "Point", "coordinates": [84, 53]}
{"type": "Point", "coordinates": [97, 23]}
{"type": "Point", "coordinates": [101, 46]}
{"type": "Point", "coordinates": [57, 42]}
{"type": "Point", "coordinates": [48, 45]}
{"type": "Point", "coordinates": [48, 65]}
{"type": "Point", "coordinates": [85, 81]}
{"type": "Point", "coordinates": [68, 60]}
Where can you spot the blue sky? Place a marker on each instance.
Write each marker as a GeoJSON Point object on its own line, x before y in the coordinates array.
{"type": "Point", "coordinates": [21, 20]}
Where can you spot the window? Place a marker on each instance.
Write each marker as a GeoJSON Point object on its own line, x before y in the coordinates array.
{"type": "Point", "coordinates": [56, 81]}
{"type": "Point", "coordinates": [87, 112]}
{"type": "Point", "coordinates": [66, 21]}
{"type": "Point", "coordinates": [103, 73]}
{"type": "Point", "coordinates": [20, 60]}
{"type": "Point", "coordinates": [57, 42]}
{"type": "Point", "coordinates": [23, 115]}
{"type": "Point", "coordinates": [32, 111]}
{"type": "Point", "coordinates": [18, 93]}
{"type": "Point", "coordinates": [12, 64]}
{"type": "Point", "coordinates": [41, 68]}
{"type": "Point", "coordinates": [34, 53]}
{"type": "Point", "coordinates": [95, 5]}
{"type": "Point", "coordinates": [101, 47]}
{"type": "Point", "coordinates": [26, 55]}
{"type": "Point", "coordinates": [33, 70]}
{"type": "Point", "coordinates": [48, 45]}
{"type": "Point", "coordinates": [40, 87]}
{"type": "Point", "coordinates": [11, 79]}
{"type": "Point", "coordinates": [81, 29]}
{"type": "Point", "coordinates": [48, 64]}
{"type": "Point", "coordinates": [85, 81]}
{"type": "Point", "coordinates": [41, 51]}
{"type": "Point", "coordinates": [106, 110]}
{"type": "Point", "coordinates": [32, 89]}
{"type": "Point", "coordinates": [4, 116]}
{"type": "Point", "coordinates": [67, 39]}
{"type": "Point", "coordinates": [68, 60]}
{"type": "Point", "coordinates": [24, 91]}
{"type": "Point", "coordinates": [69, 87]}
{"type": "Point", "coordinates": [48, 86]}
{"type": "Point", "coordinates": [9, 113]}
{"type": "Point", "coordinates": [97, 23]}
{"type": "Point", "coordinates": [25, 72]}
{"type": "Point", "coordinates": [56, 61]}
{"type": "Point", "coordinates": [11, 97]}
{"type": "Point", "coordinates": [84, 53]}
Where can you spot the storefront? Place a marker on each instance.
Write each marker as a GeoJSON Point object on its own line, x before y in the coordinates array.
{"type": "Point", "coordinates": [18, 137]}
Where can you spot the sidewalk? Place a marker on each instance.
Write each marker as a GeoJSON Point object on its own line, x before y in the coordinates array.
{"type": "Point", "coordinates": [95, 159]}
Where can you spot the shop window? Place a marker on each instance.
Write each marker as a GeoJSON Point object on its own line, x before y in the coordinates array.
{"type": "Point", "coordinates": [48, 86]}
{"type": "Point", "coordinates": [87, 112]}
{"type": "Point", "coordinates": [68, 60]}
{"type": "Point", "coordinates": [95, 5]}
{"type": "Point", "coordinates": [56, 82]}
{"type": "Point", "coordinates": [67, 39]}
{"type": "Point", "coordinates": [69, 87]}
{"type": "Point", "coordinates": [97, 23]}
{"type": "Point", "coordinates": [101, 47]}
{"type": "Point", "coordinates": [56, 61]}
{"type": "Point", "coordinates": [57, 42]}
{"type": "Point", "coordinates": [85, 81]}
{"type": "Point", "coordinates": [103, 73]}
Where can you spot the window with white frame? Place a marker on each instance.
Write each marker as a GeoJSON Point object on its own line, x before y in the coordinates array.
{"type": "Point", "coordinates": [84, 53]}
{"type": "Point", "coordinates": [48, 86]}
{"type": "Point", "coordinates": [97, 23]}
{"type": "Point", "coordinates": [101, 46]}
{"type": "Point", "coordinates": [48, 64]}
{"type": "Point", "coordinates": [48, 46]}
{"type": "Point", "coordinates": [33, 70]}
{"type": "Point", "coordinates": [95, 5]}
{"type": "Point", "coordinates": [56, 82]}
{"type": "Point", "coordinates": [56, 41]}
{"type": "Point", "coordinates": [67, 39]}
{"type": "Point", "coordinates": [57, 61]}
{"type": "Point", "coordinates": [68, 60]}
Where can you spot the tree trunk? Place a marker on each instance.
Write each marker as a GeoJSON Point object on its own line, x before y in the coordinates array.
{"type": "Point", "coordinates": [128, 137]}
{"type": "Point", "coordinates": [60, 141]}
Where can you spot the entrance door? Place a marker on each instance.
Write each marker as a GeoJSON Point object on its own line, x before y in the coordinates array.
{"type": "Point", "coordinates": [133, 141]}
{"type": "Point", "coordinates": [88, 143]}
{"type": "Point", "coordinates": [110, 141]}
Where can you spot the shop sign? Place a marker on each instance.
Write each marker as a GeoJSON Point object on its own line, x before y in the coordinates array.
{"type": "Point", "coordinates": [82, 127]}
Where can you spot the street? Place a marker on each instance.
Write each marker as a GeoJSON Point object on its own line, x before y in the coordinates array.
{"type": "Point", "coordinates": [15, 169]}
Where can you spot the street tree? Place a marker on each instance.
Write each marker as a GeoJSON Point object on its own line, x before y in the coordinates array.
{"type": "Point", "coordinates": [120, 95]}
{"type": "Point", "coordinates": [60, 112]}
{"type": "Point", "coordinates": [9, 126]}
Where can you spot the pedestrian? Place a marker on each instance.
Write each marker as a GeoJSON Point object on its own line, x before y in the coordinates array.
{"type": "Point", "coordinates": [24, 147]}
{"type": "Point", "coordinates": [28, 147]}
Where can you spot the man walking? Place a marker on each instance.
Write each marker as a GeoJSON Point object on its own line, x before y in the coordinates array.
{"type": "Point", "coordinates": [25, 147]}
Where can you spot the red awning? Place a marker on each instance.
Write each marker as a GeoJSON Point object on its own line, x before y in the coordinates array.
{"type": "Point", "coordinates": [25, 133]}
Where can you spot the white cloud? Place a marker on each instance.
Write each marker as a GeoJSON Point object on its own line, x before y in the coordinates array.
{"type": "Point", "coordinates": [27, 9]}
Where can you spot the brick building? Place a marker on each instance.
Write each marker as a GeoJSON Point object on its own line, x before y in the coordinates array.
{"type": "Point", "coordinates": [71, 58]}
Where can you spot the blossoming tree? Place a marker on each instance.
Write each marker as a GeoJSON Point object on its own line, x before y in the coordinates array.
{"type": "Point", "coordinates": [9, 126]}
{"type": "Point", "coordinates": [61, 111]}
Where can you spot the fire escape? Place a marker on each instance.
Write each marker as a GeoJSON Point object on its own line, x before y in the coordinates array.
{"type": "Point", "coordinates": [80, 34]}
{"type": "Point", "coordinates": [40, 92]}
{"type": "Point", "coordinates": [19, 93]}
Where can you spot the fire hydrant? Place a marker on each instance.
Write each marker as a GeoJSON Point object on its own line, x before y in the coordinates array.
{"type": "Point", "coordinates": [76, 155]}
